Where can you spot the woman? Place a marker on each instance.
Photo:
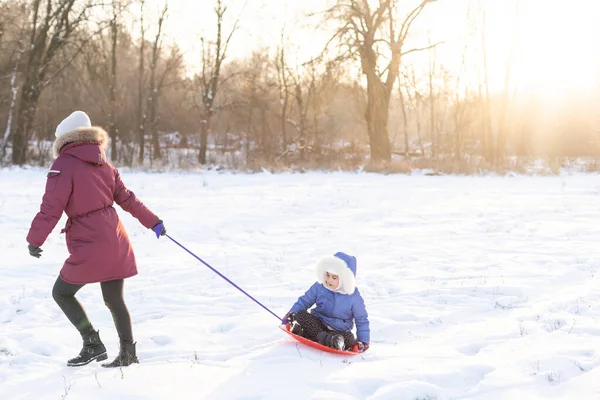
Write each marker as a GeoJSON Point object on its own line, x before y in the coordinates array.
{"type": "Point", "coordinates": [83, 184]}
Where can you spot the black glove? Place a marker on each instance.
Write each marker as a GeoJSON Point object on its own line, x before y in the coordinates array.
{"type": "Point", "coordinates": [289, 318]}
{"type": "Point", "coordinates": [159, 229]}
{"type": "Point", "coordinates": [361, 347]}
{"type": "Point", "coordinates": [35, 251]}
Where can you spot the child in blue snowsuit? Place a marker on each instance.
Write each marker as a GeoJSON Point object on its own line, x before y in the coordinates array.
{"type": "Point", "coordinates": [339, 305]}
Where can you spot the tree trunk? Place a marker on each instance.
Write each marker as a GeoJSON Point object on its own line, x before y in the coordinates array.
{"type": "Point", "coordinates": [113, 90]}
{"type": "Point", "coordinates": [154, 89]}
{"type": "Point", "coordinates": [26, 112]}
{"type": "Point", "coordinates": [13, 102]}
{"type": "Point", "coordinates": [154, 128]}
{"type": "Point", "coordinates": [210, 75]}
{"type": "Point", "coordinates": [283, 122]}
{"type": "Point", "coordinates": [432, 112]}
{"type": "Point", "coordinates": [248, 137]}
{"type": "Point", "coordinates": [503, 123]}
{"type": "Point", "coordinates": [489, 148]}
{"type": "Point", "coordinates": [152, 113]}
{"type": "Point", "coordinates": [284, 93]}
{"type": "Point", "coordinates": [141, 115]}
{"type": "Point", "coordinates": [203, 140]}
{"type": "Point", "coordinates": [404, 120]}
{"type": "Point", "coordinates": [377, 119]}
{"type": "Point", "coordinates": [459, 112]}
{"type": "Point", "coordinates": [458, 145]}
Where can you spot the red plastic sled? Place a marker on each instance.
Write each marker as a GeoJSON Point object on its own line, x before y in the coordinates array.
{"type": "Point", "coordinates": [315, 345]}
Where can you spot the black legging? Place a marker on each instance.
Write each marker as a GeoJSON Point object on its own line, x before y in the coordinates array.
{"type": "Point", "coordinates": [112, 292]}
{"type": "Point", "coordinates": [312, 326]}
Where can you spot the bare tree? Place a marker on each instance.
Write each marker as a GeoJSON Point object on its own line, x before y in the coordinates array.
{"type": "Point", "coordinates": [2, 23]}
{"type": "Point", "coordinates": [250, 109]}
{"type": "Point", "coordinates": [117, 8]}
{"type": "Point", "coordinates": [402, 99]}
{"type": "Point", "coordinates": [13, 101]}
{"type": "Point", "coordinates": [141, 113]}
{"type": "Point", "coordinates": [459, 117]}
{"type": "Point", "coordinates": [303, 98]}
{"type": "Point", "coordinates": [501, 138]}
{"type": "Point", "coordinates": [484, 93]}
{"type": "Point", "coordinates": [153, 92]}
{"type": "Point", "coordinates": [295, 88]}
{"type": "Point", "coordinates": [415, 100]}
{"type": "Point", "coordinates": [367, 32]}
{"type": "Point", "coordinates": [433, 100]}
{"type": "Point", "coordinates": [306, 88]}
{"type": "Point", "coordinates": [283, 85]}
{"type": "Point", "coordinates": [52, 27]}
{"type": "Point", "coordinates": [15, 59]}
{"type": "Point", "coordinates": [213, 55]}
{"type": "Point", "coordinates": [315, 101]}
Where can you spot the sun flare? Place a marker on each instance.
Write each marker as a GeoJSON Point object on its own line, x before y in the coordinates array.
{"type": "Point", "coordinates": [555, 47]}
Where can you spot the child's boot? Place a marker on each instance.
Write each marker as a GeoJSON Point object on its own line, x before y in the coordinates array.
{"type": "Point", "coordinates": [330, 339]}
{"type": "Point", "coordinates": [337, 342]}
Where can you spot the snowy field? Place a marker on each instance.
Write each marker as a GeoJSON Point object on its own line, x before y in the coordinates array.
{"type": "Point", "coordinates": [477, 288]}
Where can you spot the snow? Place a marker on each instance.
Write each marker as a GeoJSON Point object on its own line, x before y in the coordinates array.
{"type": "Point", "coordinates": [477, 288]}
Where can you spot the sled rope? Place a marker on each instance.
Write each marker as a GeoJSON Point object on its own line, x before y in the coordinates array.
{"type": "Point", "coordinates": [224, 277]}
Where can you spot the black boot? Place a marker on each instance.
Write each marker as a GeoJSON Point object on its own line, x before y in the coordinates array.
{"type": "Point", "coordinates": [93, 349]}
{"type": "Point", "coordinates": [126, 356]}
{"type": "Point", "coordinates": [330, 339]}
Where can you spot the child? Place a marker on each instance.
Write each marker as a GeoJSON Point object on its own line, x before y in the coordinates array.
{"type": "Point", "coordinates": [339, 304]}
{"type": "Point", "coordinates": [83, 184]}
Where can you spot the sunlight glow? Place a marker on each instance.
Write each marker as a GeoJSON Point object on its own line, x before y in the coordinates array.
{"type": "Point", "coordinates": [557, 48]}
{"type": "Point", "coordinates": [556, 45]}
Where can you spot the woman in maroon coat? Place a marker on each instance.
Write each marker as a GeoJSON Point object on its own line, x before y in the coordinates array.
{"type": "Point", "coordinates": [83, 184]}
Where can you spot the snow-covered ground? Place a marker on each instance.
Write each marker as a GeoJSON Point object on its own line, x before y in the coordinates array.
{"type": "Point", "coordinates": [477, 288]}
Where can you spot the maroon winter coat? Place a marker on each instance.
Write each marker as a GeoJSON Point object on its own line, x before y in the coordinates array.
{"type": "Point", "coordinates": [84, 185]}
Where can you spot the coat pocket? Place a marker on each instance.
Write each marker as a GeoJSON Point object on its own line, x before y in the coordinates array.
{"type": "Point", "coordinates": [52, 180]}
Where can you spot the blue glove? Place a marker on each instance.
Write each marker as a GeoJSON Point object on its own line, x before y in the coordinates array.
{"type": "Point", "coordinates": [159, 229]}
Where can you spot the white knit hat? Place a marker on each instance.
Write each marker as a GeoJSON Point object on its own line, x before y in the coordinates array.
{"type": "Point", "coordinates": [76, 120]}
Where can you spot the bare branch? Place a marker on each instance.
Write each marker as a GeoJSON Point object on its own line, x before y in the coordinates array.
{"type": "Point", "coordinates": [378, 17]}
{"type": "Point", "coordinates": [330, 10]}
{"type": "Point", "coordinates": [172, 62]}
{"type": "Point", "coordinates": [339, 33]}
{"type": "Point", "coordinates": [235, 27]}
{"type": "Point", "coordinates": [420, 48]}
{"type": "Point", "coordinates": [412, 16]}
{"type": "Point", "coordinates": [228, 105]}
{"type": "Point", "coordinates": [78, 51]}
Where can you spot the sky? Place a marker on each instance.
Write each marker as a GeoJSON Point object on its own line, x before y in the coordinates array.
{"type": "Point", "coordinates": [555, 50]}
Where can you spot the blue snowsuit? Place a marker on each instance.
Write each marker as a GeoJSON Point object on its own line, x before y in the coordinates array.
{"type": "Point", "coordinates": [341, 308]}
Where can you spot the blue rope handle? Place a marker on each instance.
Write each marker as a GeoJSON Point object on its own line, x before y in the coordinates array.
{"type": "Point", "coordinates": [224, 277]}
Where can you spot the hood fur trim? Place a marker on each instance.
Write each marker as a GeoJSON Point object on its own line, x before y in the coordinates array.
{"type": "Point", "coordinates": [94, 134]}
{"type": "Point", "coordinates": [332, 263]}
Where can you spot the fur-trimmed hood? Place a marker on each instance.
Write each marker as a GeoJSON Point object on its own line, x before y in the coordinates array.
{"type": "Point", "coordinates": [91, 135]}
{"type": "Point", "coordinates": [340, 264]}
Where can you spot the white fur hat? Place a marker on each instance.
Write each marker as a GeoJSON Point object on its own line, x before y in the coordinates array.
{"type": "Point", "coordinates": [76, 120]}
{"type": "Point", "coordinates": [337, 266]}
